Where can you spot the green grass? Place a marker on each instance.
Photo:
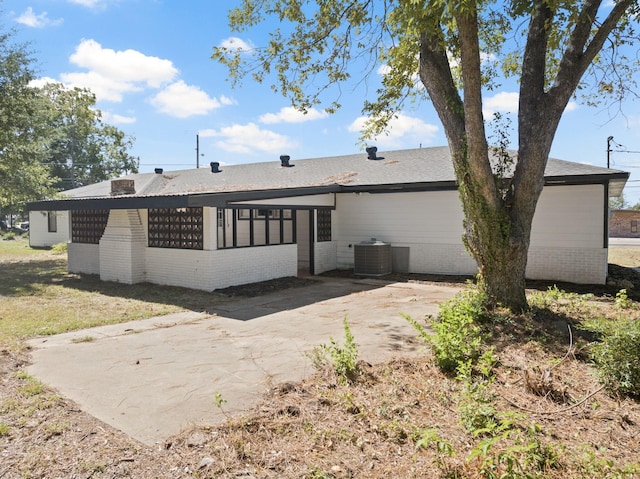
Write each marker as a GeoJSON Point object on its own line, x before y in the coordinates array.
{"type": "Point", "coordinates": [38, 297]}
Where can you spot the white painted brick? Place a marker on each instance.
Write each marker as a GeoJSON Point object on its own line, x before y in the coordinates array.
{"type": "Point", "coordinates": [83, 258]}
{"type": "Point", "coordinates": [325, 256]}
{"type": "Point", "coordinates": [122, 248]}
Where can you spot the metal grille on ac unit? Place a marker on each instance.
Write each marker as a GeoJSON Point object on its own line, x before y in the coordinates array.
{"type": "Point", "coordinates": [372, 258]}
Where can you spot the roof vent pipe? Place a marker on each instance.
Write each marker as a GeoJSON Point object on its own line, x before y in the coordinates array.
{"type": "Point", "coordinates": [284, 161]}
{"type": "Point", "coordinates": [215, 167]}
{"type": "Point", "coordinates": [372, 153]}
{"type": "Point", "coordinates": [158, 171]}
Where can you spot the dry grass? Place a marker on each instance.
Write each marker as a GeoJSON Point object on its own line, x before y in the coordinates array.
{"type": "Point", "coordinates": [628, 256]}
{"type": "Point", "coordinates": [40, 298]}
{"type": "Point", "coordinates": [400, 419]}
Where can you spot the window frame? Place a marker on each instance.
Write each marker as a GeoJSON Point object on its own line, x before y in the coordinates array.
{"type": "Point", "coordinates": [52, 222]}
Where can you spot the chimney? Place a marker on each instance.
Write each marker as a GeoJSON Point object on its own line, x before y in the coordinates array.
{"type": "Point", "coordinates": [284, 161]}
{"type": "Point", "coordinates": [122, 187]}
{"type": "Point", "coordinates": [372, 153]}
{"type": "Point", "coordinates": [158, 171]}
{"type": "Point", "coordinates": [215, 167]}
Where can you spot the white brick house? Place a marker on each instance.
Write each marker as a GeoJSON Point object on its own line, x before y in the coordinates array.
{"type": "Point", "coordinates": [211, 228]}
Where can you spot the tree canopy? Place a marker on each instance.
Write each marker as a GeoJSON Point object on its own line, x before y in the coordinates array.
{"type": "Point", "coordinates": [453, 52]}
{"type": "Point", "coordinates": [23, 174]}
{"type": "Point", "coordinates": [82, 149]}
{"type": "Point", "coordinates": [51, 138]}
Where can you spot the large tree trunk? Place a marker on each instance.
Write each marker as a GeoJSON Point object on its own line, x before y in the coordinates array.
{"type": "Point", "coordinates": [499, 212]}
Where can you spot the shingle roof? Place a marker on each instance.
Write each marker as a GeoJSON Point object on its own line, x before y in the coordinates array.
{"type": "Point", "coordinates": [411, 169]}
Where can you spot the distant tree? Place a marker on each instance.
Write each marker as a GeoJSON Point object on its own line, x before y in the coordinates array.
{"type": "Point", "coordinates": [454, 51]}
{"type": "Point", "coordinates": [618, 203]}
{"type": "Point", "coordinates": [51, 138]}
{"type": "Point", "coordinates": [82, 149]}
{"type": "Point", "coordinates": [23, 129]}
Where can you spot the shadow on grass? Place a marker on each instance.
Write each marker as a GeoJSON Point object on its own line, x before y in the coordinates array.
{"type": "Point", "coordinates": [33, 277]}
{"type": "Point", "coordinates": [29, 277]}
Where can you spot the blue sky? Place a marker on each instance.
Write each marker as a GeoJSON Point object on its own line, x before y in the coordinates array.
{"type": "Point", "coordinates": [148, 62]}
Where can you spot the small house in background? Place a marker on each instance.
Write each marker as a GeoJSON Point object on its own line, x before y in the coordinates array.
{"type": "Point", "coordinates": [237, 224]}
{"type": "Point", "coordinates": [624, 224]}
{"type": "Point", "coordinates": [48, 228]}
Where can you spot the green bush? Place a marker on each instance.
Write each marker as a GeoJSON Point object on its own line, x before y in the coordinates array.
{"type": "Point", "coordinates": [60, 248]}
{"type": "Point", "coordinates": [9, 236]}
{"type": "Point", "coordinates": [457, 337]}
{"type": "Point", "coordinates": [343, 359]}
{"type": "Point", "coordinates": [617, 355]}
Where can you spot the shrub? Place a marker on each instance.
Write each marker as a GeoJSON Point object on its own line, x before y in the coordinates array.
{"type": "Point", "coordinates": [9, 236]}
{"type": "Point", "coordinates": [60, 248]}
{"type": "Point", "coordinates": [457, 337]}
{"type": "Point", "coordinates": [343, 359]}
{"type": "Point", "coordinates": [617, 355]}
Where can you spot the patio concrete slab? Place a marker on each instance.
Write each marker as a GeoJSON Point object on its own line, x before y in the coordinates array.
{"type": "Point", "coordinates": [152, 378]}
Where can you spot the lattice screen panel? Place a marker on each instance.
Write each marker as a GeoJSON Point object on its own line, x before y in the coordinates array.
{"type": "Point", "coordinates": [176, 228]}
{"type": "Point", "coordinates": [324, 225]}
{"type": "Point", "coordinates": [87, 226]}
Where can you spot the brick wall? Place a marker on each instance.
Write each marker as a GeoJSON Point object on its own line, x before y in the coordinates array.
{"type": "Point", "coordinates": [122, 248]}
{"type": "Point", "coordinates": [621, 224]}
{"type": "Point", "coordinates": [575, 265]}
{"type": "Point", "coordinates": [83, 258]}
{"type": "Point", "coordinates": [209, 270]}
{"type": "Point", "coordinates": [325, 255]}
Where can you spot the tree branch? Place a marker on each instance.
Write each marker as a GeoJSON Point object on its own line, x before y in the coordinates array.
{"type": "Point", "coordinates": [581, 52]}
{"type": "Point", "coordinates": [467, 22]}
{"type": "Point", "coordinates": [435, 74]}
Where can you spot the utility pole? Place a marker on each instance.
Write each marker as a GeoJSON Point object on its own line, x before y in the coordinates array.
{"type": "Point", "coordinates": [197, 150]}
{"type": "Point", "coordinates": [609, 140]}
{"type": "Point", "coordinates": [198, 155]}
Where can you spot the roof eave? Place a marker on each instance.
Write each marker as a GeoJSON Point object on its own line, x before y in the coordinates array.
{"type": "Point", "coordinates": [616, 181]}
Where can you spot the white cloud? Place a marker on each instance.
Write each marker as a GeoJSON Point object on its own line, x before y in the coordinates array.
{"type": "Point", "coordinates": [383, 69]}
{"type": "Point", "coordinates": [125, 65]}
{"type": "Point", "coordinates": [105, 88]}
{"type": "Point", "coordinates": [249, 138]}
{"type": "Point", "coordinates": [402, 131]}
{"type": "Point", "coordinates": [30, 19]}
{"type": "Point", "coordinates": [571, 106]}
{"type": "Point", "coordinates": [505, 102]}
{"type": "Point", "coordinates": [182, 100]}
{"type": "Point", "coordinates": [42, 81]}
{"type": "Point", "coordinates": [89, 3]}
{"type": "Point", "coordinates": [113, 73]}
{"type": "Point", "coordinates": [225, 100]}
{"type": "Point", "coordinates": [115, 119]}
{"type": "Point", "coordinates": [290, 115]}
{"type": "Point", "coordinates": [235, 43]}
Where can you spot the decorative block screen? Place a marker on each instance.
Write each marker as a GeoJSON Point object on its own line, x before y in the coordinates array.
{"type": "Point", "coordinates": [324, 225]}
{"type": "Point", "coordinates": [87, 226]}
{"type": "Point", "coordinates": [176, 228]}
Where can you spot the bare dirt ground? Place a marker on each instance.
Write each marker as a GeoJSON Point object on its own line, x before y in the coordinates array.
{"type": "Point", "coordinates": [400, 419]}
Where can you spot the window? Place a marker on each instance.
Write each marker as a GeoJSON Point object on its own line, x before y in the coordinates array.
{"type": "Point", "coordinates": [176, 228]}
{"type": "Point", "coordinates": [634, 226]}
{"type": "Point", "coordinates": [87, 226]}
{"type": "Point", "coordinates": [52, 222]}
{"type": "Point", "coordinates": [262, 214]}
{"type": "Point", "coordinates": [324, 225]}
{"type": "Point", "coordinates": [246, 227]}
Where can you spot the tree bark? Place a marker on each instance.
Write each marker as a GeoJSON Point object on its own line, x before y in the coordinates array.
{"type": "Point", "coordinates": [498, 220]}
